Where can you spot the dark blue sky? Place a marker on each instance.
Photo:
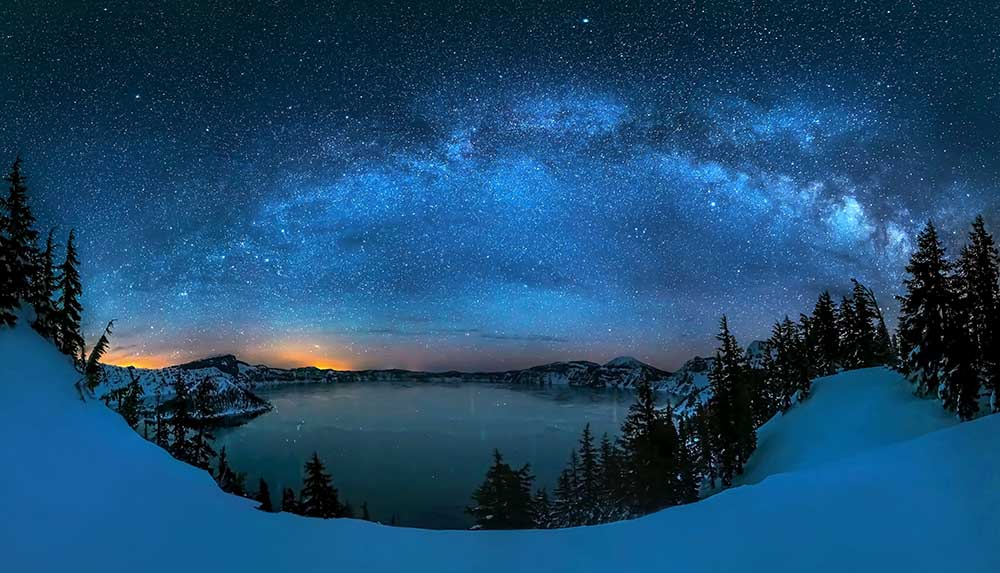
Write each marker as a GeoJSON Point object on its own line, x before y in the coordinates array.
{"type": "Point", "coordinates": [373, 184]}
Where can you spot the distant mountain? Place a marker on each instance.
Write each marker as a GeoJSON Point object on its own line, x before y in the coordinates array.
{"type": "Point", "coordinates": [236, 380]}
{"type": "Point", "coordinates": [618, 373]}
{"type": "Point", "coordinates": [232, 396]}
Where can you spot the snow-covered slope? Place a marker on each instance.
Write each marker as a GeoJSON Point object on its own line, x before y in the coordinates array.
{"type": "Point", "coordinates": [81, 492]}
{"type": "Point", "coordinates": [846, 414]}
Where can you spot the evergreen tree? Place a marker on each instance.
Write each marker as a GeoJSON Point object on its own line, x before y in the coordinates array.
{"type": "Point", "coordinates": [130, 404]}
{"type": "Point", "coordinates": [649, 440]}
{"type": "Point", "coordinates": [786, 366]}
{"type": "Point", "coordinates": [565, 508]}
{"type": "Point", "coordinates": [43, 289]}
{"type": "Point", "coordinates": [289, 504]}
{"type": "Point", "coordinates": [688, 482]}
{"type": "Point", "coordinates": [874, 340]}
{"type": "Point", "coordinates": [611, 505]}
{"type": "Point", "coordinates": [977, 285]}
{"type": "Point", "coordinates": [8, 297]}
{"type": "Point", "coordinates": [181, 421]}
{"type": "Point", "coordinates": [860, 331]}
{"type": "Point", "coordinates": [542, 509]}
{"type": "Point", "coordinates": [703, 451]}
{"type": "Point", "coordinates": [68, 308]}
{"type": "Point", "coordinates": [923, 312]}
{"type": "Point", "coordinates": [19, 248]}
{"type": "Point", "coordinates": [264, 497]}
{"type": "Point", "coordinates": [504, 499]}
{"type": "Point", "coordinates": [588, 491]}
{"type": "Point", "coordinates": [201, 443]}
{"type": "Point", "coordinates": [161, 436]}
{"type": "Point", "coordinates": [229, 480]}
{"type": "Point", "coordinates": [733, 432]}
{"type": "Point", "coordinates": [960, 376]}
{"type": "Point", "coordinates": [319, 497]}
{"type": "Point", "coordinates": [365, 514]}
{"type": "Point", "coordinates": [848, 345]}
{"type": "Point", "coordinates": [824, 337]}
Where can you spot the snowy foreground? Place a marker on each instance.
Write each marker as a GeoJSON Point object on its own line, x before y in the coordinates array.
{"type": "Point", "coordinates": [877, 481]}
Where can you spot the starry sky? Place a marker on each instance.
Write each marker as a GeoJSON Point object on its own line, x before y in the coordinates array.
{"type": "Point", "coordinates": [436, 185]}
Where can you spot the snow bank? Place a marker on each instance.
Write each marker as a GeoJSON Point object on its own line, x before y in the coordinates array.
{"type": "Point", "coordinates": [846, 414]}
{"type": "Point", "coordinates": [80, 491]}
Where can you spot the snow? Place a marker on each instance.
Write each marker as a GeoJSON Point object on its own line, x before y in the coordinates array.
{"type": "Point", "coordinates": [82, 492]}
{"type": "Point", "coordinates": [844, 415]}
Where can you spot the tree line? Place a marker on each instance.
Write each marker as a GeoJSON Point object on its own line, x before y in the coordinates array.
{"type": "Point", "coordinates": [949, 320]}
{"type": "Point", "coordinates": [661, 459]}
{"type": "Point", "coordinates": [30, 274]}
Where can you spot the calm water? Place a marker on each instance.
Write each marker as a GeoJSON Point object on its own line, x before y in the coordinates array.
{"type": "Point", "coordinates": [416, 450]}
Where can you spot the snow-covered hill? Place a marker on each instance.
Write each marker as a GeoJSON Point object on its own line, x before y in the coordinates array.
{"type": "Point", "coordinates": [81, 492]}
{"type": "Point", "coordinates": [845, 414]}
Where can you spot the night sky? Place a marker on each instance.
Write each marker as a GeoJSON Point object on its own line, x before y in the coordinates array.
{"type": "Point", "coordinates": [454, 185]}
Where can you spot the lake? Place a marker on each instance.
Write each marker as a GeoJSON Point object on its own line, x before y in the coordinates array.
{"type": "Point", "coordinates": [416, 450]}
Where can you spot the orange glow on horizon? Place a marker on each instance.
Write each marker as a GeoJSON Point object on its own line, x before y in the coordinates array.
{"type": "Point", "coordinates": [152, 361]}
{"type": "Point", "coordinates": [294, 356]}
{"type": "Point", "coordinates": [283, 356]}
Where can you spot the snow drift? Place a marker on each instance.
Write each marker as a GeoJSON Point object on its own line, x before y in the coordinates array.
{"type": "Point", "coordinates": [80, 491]}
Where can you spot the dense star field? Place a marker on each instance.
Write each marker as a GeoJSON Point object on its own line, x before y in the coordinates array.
{"type": "Point", "coordinates": [371, 184]}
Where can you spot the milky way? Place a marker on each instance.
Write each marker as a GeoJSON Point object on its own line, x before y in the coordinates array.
{"type": "Point", "coordinates": [482, 187]}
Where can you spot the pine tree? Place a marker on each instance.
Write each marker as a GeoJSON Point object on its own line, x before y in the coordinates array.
{"type": "Point", "coordinates": [264, 496]}
{"type": "Point", "coordinates": [43, 289]}
{"type": "Point", "coordinates": [565, 508]}
{"type": "Point", "coordinates": [649, 440]}
{"type": "Point", "coordinates": [960, 376]}
{"type": "Point", "coordinates": [611, 506]}
{"type": "Point", "coordinates": [19, 249]}
{"type": "Point", "coordinates": [978, 287]}
{"type": "Point", "coordinates": [824, 336]}
{"type": "Point", "coordinates": [541, 510]}
{"type": "Point", "coordinates": [733, 431]}
{"type": "Point", "coordinates": [923, 312]}
{"type": "Point", "coordinates": [589, 477]}
{"type": "Point", "coordinates": [875, 341]}
{"type": "Point", "coordinates": [202, 452]}
{"type": "Point", "coordinates": [162, 434]}
{"type": "Point", "coordinates": [8, 298]}
{"type": "Point", "coordinates": [688, 482]}
{"type": "Point", "coordinates": [180, 421]}
{"type": "Point", "coordinates": [703, 453]}
{"type": "Point", "coordinates": [130, 404]}
{"type": "Point", "coordinates": [504, 499]}
{"type": "Point", "coordinates": [68, 309]}
{"type": "Point", "coordinates": [229, 480]}
{"type": "Point", "coordinates": [365, 514]}
{"type": "Point", "coordinates": [319, 497]}
{"type": "Point", "coordinates": [289, 504]}
{"type": "Point", "coordinates": [786, 366]}
{"type": "Point", "coordinates": [848, 344]}
{"type": "Point", "coordinates": [861, 332]}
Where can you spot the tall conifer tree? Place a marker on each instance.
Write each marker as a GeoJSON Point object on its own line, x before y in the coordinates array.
{"type": "Point", "coordinates": [733, 432]}
{"type": "Point", "coordinates": [824, 336]}
{"type": "Point", "coordinates": [68, 307]}
{"type": "Point", "coordinates": [19, 249]}
{"type": "Point", "coordinates": [264, 496]}
{"type": "Point", "coordinates": [589, 477]}
{"type": "Point", "coordinates": [924, 310]}
{"type": "Point", "coordinates": [319, 497]}
{"type": "Point", "coordinates": [978, 287]}
{"type": "Point", "coordinates": [43, 289]}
